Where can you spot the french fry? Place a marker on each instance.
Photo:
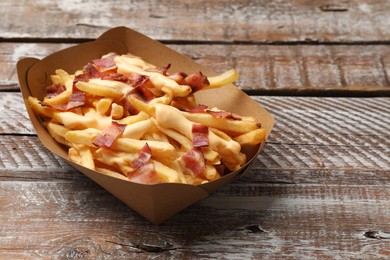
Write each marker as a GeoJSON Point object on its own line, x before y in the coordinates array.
{"type": "Point", "coordinates": [85, 136]}
{"type": "Point", "coordinates": [35, 104]}
{"type": "Point", "coordinates": [159, 149]}
{"type": "Point", "coordinates": [254, 137]}
{"type": "Point", "coordinates": [98, 90]}
{"type": "Point", "coordinates": [116, 111]}
{"type": "Point", "coordinates": [142, 106]}
{"type": "Point", "coordinates": [134, 118]}
{"type": "Point", "coordinates": [137, 129]}
{"type": "Point", "coordinates": [103, 105]}
{"type": "Point", "coordinates": [59, 99]}
{"type": "Point", "coordinates": [166, 174]}
{"type": "Point", "coordinates": [226, 78]}
{"type": "Point", "coordinates": [58, 133]}
{"type": "Point", "coordinates": [233, 127]}
{"type": "Point", "coordinates": [85, 156]}
{"type": "Point", "coordinates": [111, 173]}
{"type": "Point", "coordinates": [62, 77]}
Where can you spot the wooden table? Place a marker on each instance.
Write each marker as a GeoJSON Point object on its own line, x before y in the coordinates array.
{"type": "Point", "coordinates": [319, 189]}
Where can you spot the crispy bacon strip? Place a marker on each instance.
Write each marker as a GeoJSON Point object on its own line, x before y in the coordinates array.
{"type": "Point", "coordinates": [223, 114]}
{"type": "Point", "coordinates": [109, 135]}
{"type": "Point", "coordinates": [200, 135]}
{"type": "Point", "coordinates": [179, 77]}
{"type": "Point", "coordinates": [106, 63]}
{"type": "Point", "coordinates": [164, 70]}
{"type": "Point", "coordinates": [197, 81]}
{"type": "Point", "coordinates": [197, 109]}
{"type": "Point", "coordinates": [146, 174]}
{"type": "Point", "coordinates": [193, 162]}
{"type": "Point", "coordinates": [143, 157]}
{"type": "Point", "coordinates": [89, 72]}
{"type": "Point", "coordinates": [54, 89]}
{"type": "Point", "coordinates": [77, 99]}
{"type": "Point", "coordinates": [116, 77]}
{"type": "Point", "coordinates": [140, 91]}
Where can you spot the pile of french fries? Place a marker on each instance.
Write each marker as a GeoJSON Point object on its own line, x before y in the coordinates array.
{"type": "Point", "coordinates": [149, 138]}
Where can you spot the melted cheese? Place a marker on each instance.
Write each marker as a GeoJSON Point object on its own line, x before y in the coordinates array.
{"type": "Point", "coordinates": [138, 129]}
{"type": "Point", "coordinates": [171, 117]}
{"type": "Point", "coordinates": [127, 66]}
{"type": "Point", "coordinates": [117, 85]}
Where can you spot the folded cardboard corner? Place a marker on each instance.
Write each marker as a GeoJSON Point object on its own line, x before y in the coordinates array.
{"type": "Point", "coordinates": [157, 202]}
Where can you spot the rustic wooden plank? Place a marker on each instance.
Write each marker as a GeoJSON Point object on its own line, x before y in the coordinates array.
{"type": "Point", "coordinates": [262, 68]}
{"type": "Point", "coordinates": [290, 221]}
{"type": "Point", "coordinates": [249, 21]}
{"type": "Point", "coordinates": [315, 140]}
{"type": "Point", "coordinates": [24, 158]}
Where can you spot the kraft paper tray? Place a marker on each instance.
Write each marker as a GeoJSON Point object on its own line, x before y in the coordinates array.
{"type": "Point", "coordinates": [156, 202]}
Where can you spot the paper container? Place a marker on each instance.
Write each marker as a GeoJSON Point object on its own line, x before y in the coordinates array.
{"type": "Point", "coordinates": [156, 202]}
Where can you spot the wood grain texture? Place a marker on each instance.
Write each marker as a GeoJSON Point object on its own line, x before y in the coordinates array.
{"type": "Point", "coordinates": [273, 221]}
{"type": "Point", "coordinates": [232, 20]}
{"type": "Point", "coordinates": [263, 68]}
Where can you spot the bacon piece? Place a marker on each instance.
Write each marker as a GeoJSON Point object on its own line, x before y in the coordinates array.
{"type": "Point", "coordinates": [116, 77]}
{"type": "Point", "coordinates": [197, 109]}
{"type": "Point", "coordinates": [197, 81]}
{"type": "Point", "coordinates": [143, 157]}
{"type": "Point", "coordinates": [140, 91]}
{"type": "Point", "coordinates": [77, 99]}
{"type": "Point", "coordinates": [224, 114]}
{"type": "Point", "coordinates": [109, 135]}
{"type": "Point", "coordinates": [179, 77]}
{"type": "Point", "coordinates": [54, 89]}
{"type": "Point", "coordinates": [146, 174]}
{"type": "Point", "coordinates": [164, 70]}
{"type": "Point", "coordinates": [137, 79]}
{"type": "Point", "coordinates": [106, 63]}
{"type": "Point", "coordinates": [193, 162]}
{"type": "Point", "coordinates": [200, 135]}
{"type": "Point", "coordinates": [89, 72]}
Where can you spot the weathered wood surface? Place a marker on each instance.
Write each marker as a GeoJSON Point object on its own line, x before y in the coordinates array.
{"type": "Point", "coordinates": [264, 69]}
{"type": "Point", "coordinates": [319, 189]}
{"type": "Point", "coordinates": [181, 20]}
{"type": "Point", "coordinates": [73, 220]}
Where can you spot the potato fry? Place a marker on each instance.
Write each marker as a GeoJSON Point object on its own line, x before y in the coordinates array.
{"type": "Point", "coordinates": [137, 129]}
{"type": "Point", "coordinates": [36, 106]}
{"type": "Point", "coordinates": [85, 156]}
{"type": "Point", "coordinates": [233, 127]}
{"type": "Point", "coordinates": [166, 174]}
{"type": "Point", "coordinates": [116, 111]}
{"type": "Point", "coordinates": [59, 99]}
{"type": "Point", "coordinates": [58, 133]}
{"type": "Point", "coordinates": [142, 106]}
{"type": "Point", "coordinates": [134, 119]}
{"type": "Point", "coordinates": [254, 137]}
{"type": "Point", "coordinates": [111, 173]}
{"type": "Point", "coordinates": [62, 77]}
{"type": "Point", "coordinates": [85, 136]}
{"type": "Point", "coordinates": [226, 78]}
{"type": "Point", "coordinates": [159, 149]}
{"type": "Point", "coordinates": [103, 105]}
{"type": "Point", "coordinates": [98, 90]}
